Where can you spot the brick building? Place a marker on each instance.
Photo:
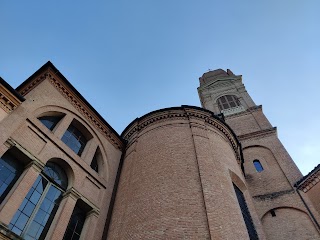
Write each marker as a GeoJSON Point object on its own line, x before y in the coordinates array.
{"type": "Point", "coordinates": [216, 172]}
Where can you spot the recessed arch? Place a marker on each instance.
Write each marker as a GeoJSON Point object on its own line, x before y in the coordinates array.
{"type": "Point", "coordinates": [263, 161]}
{"type": "Point", "coordinates": [257, 164]}
{"type": "Point", "coordinates": [67, 169]}
{"type": "Point", "coordinates": [35, 214]}
{"type": "Point", "coordinates": [280, 207]}
{"type": "Point", "coordinates": [237, 181]}
{"type": "Point", "coordinates": [252, 146]}
{"type": "Point", "coordinates": [61, 110]}
{"type": "Point", "coordinates": [298, 224]}
{"type": "Point", "coordinates": [41, 111]}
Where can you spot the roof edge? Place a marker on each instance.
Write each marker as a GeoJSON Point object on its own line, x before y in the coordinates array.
{"type": "Point", "coordinates": [12, 90]}
{"type": "Point", "coordinates": [49, 65]}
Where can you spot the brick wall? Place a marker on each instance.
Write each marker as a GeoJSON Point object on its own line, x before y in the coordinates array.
{"type": "Point", "coordinates": [176, 183]}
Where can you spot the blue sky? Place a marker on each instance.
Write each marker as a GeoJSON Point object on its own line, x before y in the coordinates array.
{"type": "Point", "coordinates": [128, 58]}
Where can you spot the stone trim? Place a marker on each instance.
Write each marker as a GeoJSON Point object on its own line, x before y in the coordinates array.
{"type": "Point", "coordinates": [7, 234]}
{"type": "Point", "coordinates": [72, 193]}
{"type": "Point", "coordinates": [76, 102]}
{"type": "Point", "coordinates": [8, 102]}
{"type": "Point", "coordinates": [34, 161]}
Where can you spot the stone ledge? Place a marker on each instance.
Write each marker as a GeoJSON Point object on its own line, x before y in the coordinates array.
{"type": "Point", "coordinates": [6, 234]}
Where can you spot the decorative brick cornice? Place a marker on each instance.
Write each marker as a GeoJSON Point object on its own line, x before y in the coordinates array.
{"type": "Point", "coordinates": [143, 123]}
{"type": "Point", "coordinates": [273, 195]}
{"type": "Point", "coordinates": [310, 180]}
{"type": "Point", "coordinates": [65, 91]}
{"type": "Point", "coordinates": [8, 102]}
{"type": "Point", "coordinates": [260, 133]}
{"type": "Point", "coordinates": [182, 113]}
{"type": "Point", "coordinates": [35, 82]}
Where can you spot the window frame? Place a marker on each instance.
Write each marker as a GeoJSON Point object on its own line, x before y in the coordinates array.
{"type": "Point", "coordinates": [245, 214]}
{"type": "Point", "coordinates": [77, 211]}
{"type": "Point", "coordinates": [71, 140]}
{"type": "Point", "coordinates": [257, 165]}
{"type": "Point", "coordinates": [33, 206]}
{"type": "Point", "coordinates": [6, 158]}
{"type": "Point", "coordinates": [228, 101]}
{"type": "Point", "coordinates": [44, 119]}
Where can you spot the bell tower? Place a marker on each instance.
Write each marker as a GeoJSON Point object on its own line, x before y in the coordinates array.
{"type": "Point", "coordinates": [270, 172]}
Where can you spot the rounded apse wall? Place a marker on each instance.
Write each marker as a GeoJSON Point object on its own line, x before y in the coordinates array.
{"type": "Point", "coordinates": [175, 181]}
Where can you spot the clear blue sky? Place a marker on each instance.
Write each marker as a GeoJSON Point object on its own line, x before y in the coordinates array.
{"type": "Point", "coordinates": [128, 58]}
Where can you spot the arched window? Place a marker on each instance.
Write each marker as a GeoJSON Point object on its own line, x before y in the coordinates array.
{"type": "Point", "coordinates": [228, 101]}
{"type": "Point", "coordinates": [258, 165]}
{"type": "Point", "coordinates": [76, 137]}
{"type": "Point", "coordinates": [34, 216]}
{"type": "Point", "coordinates": [10, 170]}
{"type": "Point", "coordinates": [75, 224]}
{"type": "Point", "coordinates": [50, 121]}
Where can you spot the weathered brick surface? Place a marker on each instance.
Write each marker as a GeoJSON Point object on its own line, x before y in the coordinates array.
{"type": "Point", "coordinates": [273, 188]}
{"type": "Point", "coordinates": [175, 184]}
{"type": "Point", "coordinates": [314, 196]}
{"type": "Point", "coordinates": [26, 130]}
{"type": "Point", "coordinates": [178, 173]}
{"type": "Point", "coordinates": [298, 225]}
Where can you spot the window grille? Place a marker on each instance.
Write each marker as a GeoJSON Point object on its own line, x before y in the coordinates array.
{"type": "Point", "coordinates": [228, 101]}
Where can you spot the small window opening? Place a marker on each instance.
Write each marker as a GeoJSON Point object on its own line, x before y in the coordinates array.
{"type": "Point", "coordinates": [258, 165]}
{"type": "Point", "coordinates": [273, 213]}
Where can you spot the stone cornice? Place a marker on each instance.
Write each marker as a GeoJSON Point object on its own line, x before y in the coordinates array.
{"type": "Point", "coordinates": [182, 113]}
{"type": "Point", "coordinates": [8, 101]}
{"type": "Point", "coordinates": [75, 100]}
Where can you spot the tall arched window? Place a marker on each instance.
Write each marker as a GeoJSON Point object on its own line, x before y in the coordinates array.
{"type": "Point", "coordinates": [258, 165]}
{"type": "Point", "coordinates": [34, 216]}
{"type": "Point", "coordinates": [228, 101]}
{"type": "Point", "coordinates": [10, 170]}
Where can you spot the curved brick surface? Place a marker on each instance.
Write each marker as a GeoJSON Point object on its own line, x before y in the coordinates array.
{"type": "Point", "coordinates": [165, 177]}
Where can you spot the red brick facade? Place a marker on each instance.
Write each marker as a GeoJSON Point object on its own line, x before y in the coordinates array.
{"type": "Point", "coordinates": [176, 173]}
